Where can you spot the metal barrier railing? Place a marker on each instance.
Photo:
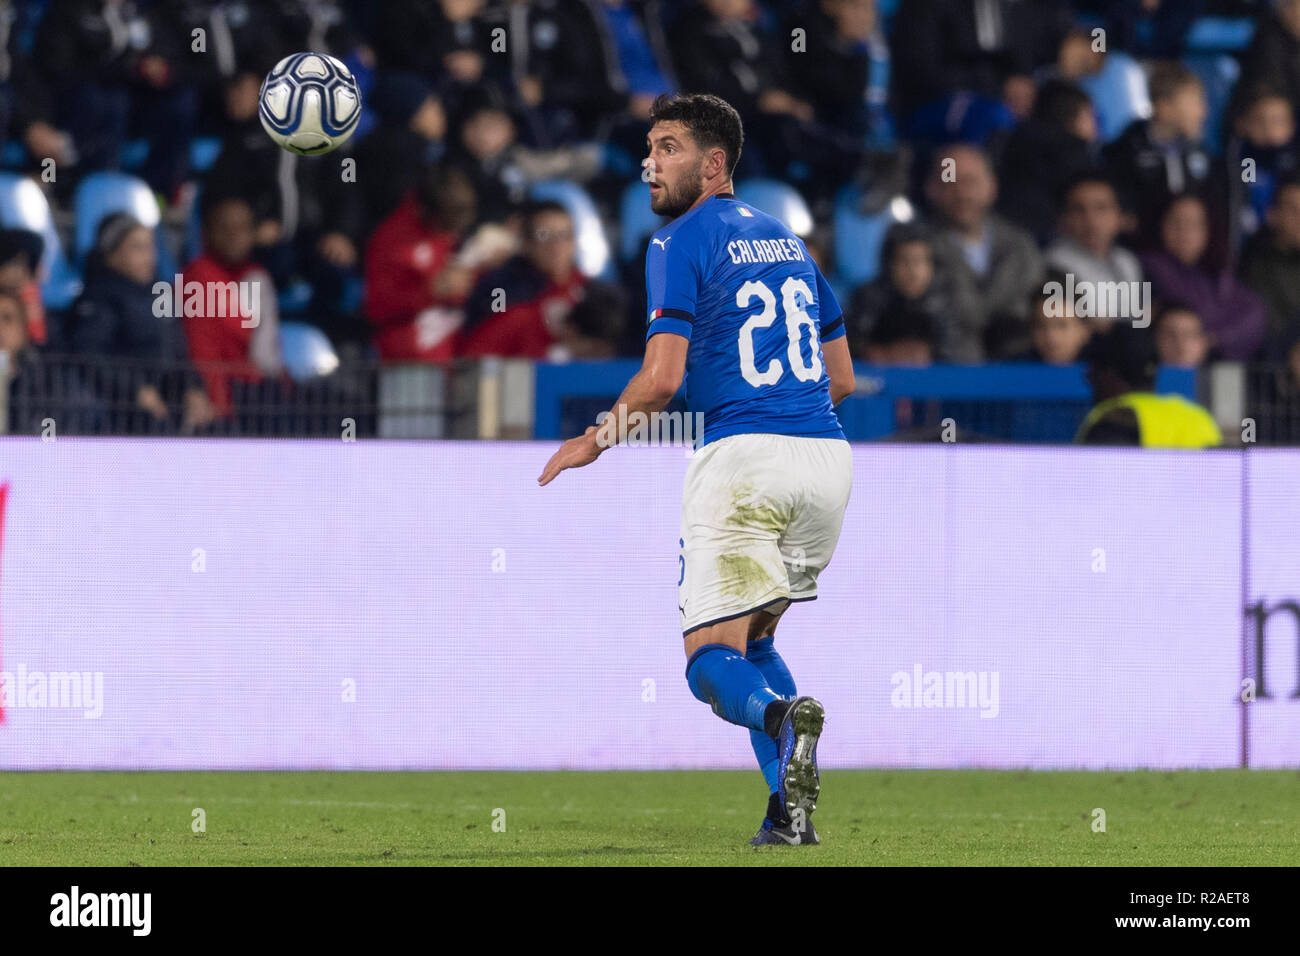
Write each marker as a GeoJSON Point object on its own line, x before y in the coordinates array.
{"type": "Point", "coordinates": [75, 395]}
{"type": "Point", "coordinates": [1272, 404]}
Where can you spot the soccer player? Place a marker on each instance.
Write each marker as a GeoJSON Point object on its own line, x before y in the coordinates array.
{"type": "Point", "coordinates": [736, 301]}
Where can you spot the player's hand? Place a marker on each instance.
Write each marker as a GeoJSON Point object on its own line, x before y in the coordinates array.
{"type": "Point", "coordinates": [574, 453]}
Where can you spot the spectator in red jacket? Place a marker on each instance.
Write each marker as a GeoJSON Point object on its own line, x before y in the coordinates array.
{"type": "Point", "coordinates": [233, 328]}
{"type": "Point", "coordinates": [419, 270]}
{"type": "Point", "coordinates": [523, 309]}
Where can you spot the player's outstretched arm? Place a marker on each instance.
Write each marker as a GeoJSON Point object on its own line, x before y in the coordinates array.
{"type": "Point", "coordinates": [649, 391]}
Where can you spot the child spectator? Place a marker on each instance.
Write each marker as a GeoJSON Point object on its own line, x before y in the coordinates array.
{"type": "Point", "coordinates": [1058, 335]}
{"type": "Point", "coordinates": [114, 318]}
{"type": "Point", "coordinates": [1156, 158]}
{"type": "Point", "coordinates": [1184, 269]}
{"type": "Point", "coordinates": [907, 281]}
{"type": "Point", "coordinates": [1263, 130]}
{"type": "Point", "coordinates": [522, 309]}
{"type": "Point", "coordinates": [1271, 261]}
{"type": "Point", "coordinates": [1181, 339]}
{"type": "Point", "coordinates": [20, 255]}
{"type": "Point", "coordinates": [1055, 146]}
{"type": "Point", "coordinates": [234, 337]}
{"type": "Point", "coordinates": [419, 269]}
{"type": "Point", "coordinates": [1091, 221]}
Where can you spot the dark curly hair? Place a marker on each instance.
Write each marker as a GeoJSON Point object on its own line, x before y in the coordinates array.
{"type": "Point", "coordinates": [712, 121]}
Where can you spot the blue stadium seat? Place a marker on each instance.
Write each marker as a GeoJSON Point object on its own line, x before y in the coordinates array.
{"type": "Point", "coordinates": [637, 221]}
{"type": "Point", "coordinates": [101, 194]}
{"type": "Point", "coordinates": [779, 200]}
{"type": "Point", "coordinates": [860, 235]}
{"type": "Point", "coordinates": [1220, 34]}
{"type": "Point", "coordinates": [306, 351]}
{"type": "Point", "coordinates": [204, 151]}
{"type": "Point", "coordinates": [295, 297]}
{"type": "Point", "coordinates": [1119, 94]}
{"type": "Point", "coordinates": [1219, 73]}
{"type": "Point", "coordinates": [593, 254]}
{"type": "Point", "coordinates": [23, 206]}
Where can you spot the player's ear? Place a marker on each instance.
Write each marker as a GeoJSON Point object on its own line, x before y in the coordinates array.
{"type": "Point", "coordinates": [717, 162]}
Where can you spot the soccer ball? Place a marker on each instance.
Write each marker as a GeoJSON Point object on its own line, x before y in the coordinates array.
{"type": "Point", "coordinates": [309, 104]}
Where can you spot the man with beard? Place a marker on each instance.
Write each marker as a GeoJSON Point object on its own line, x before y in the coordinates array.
{"type": "Point", "coordinates": [735, 300]}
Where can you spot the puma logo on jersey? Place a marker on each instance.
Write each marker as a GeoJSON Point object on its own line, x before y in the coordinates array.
{"type": "Point", "coordinates": [663, 243]}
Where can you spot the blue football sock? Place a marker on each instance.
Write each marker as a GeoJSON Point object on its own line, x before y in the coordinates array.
{"type": "Point", "coordinates": [762, 654]}
{"type": "Point", "coordinates": [735, 689]}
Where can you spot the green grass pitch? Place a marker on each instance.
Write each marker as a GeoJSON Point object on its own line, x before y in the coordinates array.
{"type": "Point", "coordinates": [875, 817]}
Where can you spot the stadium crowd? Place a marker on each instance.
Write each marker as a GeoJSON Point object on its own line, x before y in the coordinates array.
{"type": "Point", "coordinates": [999, 146]}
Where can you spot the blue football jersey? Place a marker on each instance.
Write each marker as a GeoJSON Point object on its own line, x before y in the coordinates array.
{"type": "Point", "coordinates": [743, 289]}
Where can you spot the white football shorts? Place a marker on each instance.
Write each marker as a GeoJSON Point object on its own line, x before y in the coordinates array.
{"type": "Point", "coordinates": [761, 515]}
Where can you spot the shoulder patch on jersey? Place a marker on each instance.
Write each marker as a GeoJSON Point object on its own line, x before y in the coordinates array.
{"type": "Point", "coordinates": [746, 213]}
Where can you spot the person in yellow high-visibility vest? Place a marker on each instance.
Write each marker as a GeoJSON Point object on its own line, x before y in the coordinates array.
{"type": "Point", "coordinates": [1122, 371]}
